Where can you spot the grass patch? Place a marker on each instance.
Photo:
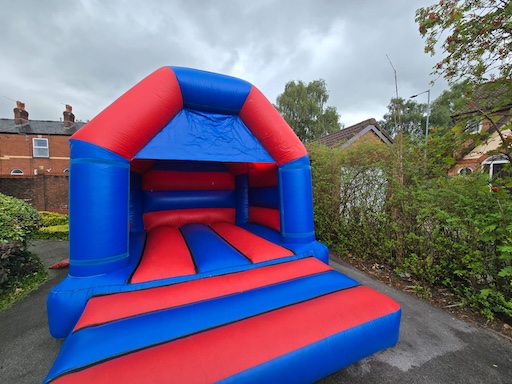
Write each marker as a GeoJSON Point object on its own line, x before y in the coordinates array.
{"type": "Point", "coordinates": [21, 286]}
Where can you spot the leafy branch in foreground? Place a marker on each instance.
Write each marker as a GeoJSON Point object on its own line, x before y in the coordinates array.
{"type": "Point", "coordinates": [475, 37]}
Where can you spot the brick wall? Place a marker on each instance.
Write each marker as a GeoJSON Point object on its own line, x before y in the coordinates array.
{"type": "Point", "coordinates": [43, 192]}
{"type": "Point", "coordinates": [16, 152]}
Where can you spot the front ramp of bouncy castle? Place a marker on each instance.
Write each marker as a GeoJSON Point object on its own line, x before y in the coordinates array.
{"type": "Point", "coordinates": [193, 255]}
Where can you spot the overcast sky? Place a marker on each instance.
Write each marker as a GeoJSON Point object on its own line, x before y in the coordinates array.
{"type": "Point", "coordinates": [87, 53]}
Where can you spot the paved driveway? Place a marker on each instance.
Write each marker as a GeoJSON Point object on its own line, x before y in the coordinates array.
{"type": "Point", "coordinates": [434, 347]}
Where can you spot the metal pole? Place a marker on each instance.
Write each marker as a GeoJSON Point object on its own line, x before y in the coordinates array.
{"type": "Point", "coordinates": [428, 111]}
{"type": "Point", "coordinates": [428, 116]}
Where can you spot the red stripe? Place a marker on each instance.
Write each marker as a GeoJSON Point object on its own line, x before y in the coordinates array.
{"type": "Point", "coordinates": [222, 352]}
{"type": "Point", "coordinates": [131, 121]}
{"type": "Point", "coordinates": [237, 168]}
{"type": "Point", "coordinates": [252, 246]}
{"type": "Point", "coordinates": [269, 127]}
{"type": "Point", "coordinates": [116, 306]}
{"type": "Point", "coordinates": [262, 175]}
{"type": "Point", "coordinates": [187, 181]}
{"type": "Point", "coordinates": [141, 165]}
{"type": "Point", "coordinates": [166, 255]}
{"type": "Point", "coordinates": [179, 217]}
{"type": "Point", "coordinates": [268, 217]}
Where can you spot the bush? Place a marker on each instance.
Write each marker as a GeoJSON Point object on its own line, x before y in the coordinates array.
{"type": "Point", "coordinates": [20, 273]}
{"type": "Point", "coordinates": [392, 207]}
{"type": "Point", "coordinates": [54, 232]}
{"type": "Point", "coordinates": [49, 219]}
{"type": "Point", "coordinates": [15, 263]}
{"type": "Point", "coordinates": [18, 220]}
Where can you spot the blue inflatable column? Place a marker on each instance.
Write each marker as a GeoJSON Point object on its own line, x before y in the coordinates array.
{"type": "Point", "coordinates": [98, 210]}
{"type": "Point", "coordinates": [242, 198]}
{"type": "Point", "coordinates": [296, 198]}
{"type": "Point", "coordinates": [136, 209]}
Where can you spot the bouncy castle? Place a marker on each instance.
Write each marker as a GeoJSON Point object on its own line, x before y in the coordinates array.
{"type": "Point", "coordinates": [193, 255]}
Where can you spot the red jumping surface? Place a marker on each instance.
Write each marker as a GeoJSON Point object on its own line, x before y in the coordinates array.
{"type": "Point", "coordinates": [250, 245]}
{"type": "Point", "coordinates": [233, 348]}
{"type": "Point", "coordinates": [102, 309]}
{"type": "Point", "coordinates": [166, 255]}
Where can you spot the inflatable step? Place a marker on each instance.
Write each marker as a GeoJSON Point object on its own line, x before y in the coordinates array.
{"type": "Point", "coordinates": [231, 332]}
{"type": "Point", "coordinates": [105, 308]}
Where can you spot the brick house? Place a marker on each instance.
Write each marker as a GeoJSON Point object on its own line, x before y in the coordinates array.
{"type": "Point", "coordinates": [370, 183]}
{"type": "Point", "coordinates": [365, 131]}
{"type": "Point", "coordinates": [29, 147]}
{"type": "Point", "coordinates": [476, 116]}
{"type": "Point", "coordinates": [34, 158]}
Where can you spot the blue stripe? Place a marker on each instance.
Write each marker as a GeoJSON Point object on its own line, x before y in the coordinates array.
{"type": "Point", "coordinates": [242, 199]}
{"type": "Point", "coordinates": [93, 344]}
{"type": "Point", "coordinates": [135, 201]}
{"type": "Point", "coordinates": [210, 252]}
{"type": "Point", "coordinates": [90, 160]}
{"type": "Point", "coordinates": [103, 260]}
{"type": "Point", "coordinates": [164, 200]}
{"type": "Point", "coordinates": [211, 92]}
{"type": "Point", "coordinates": [267, 197]}
{"type": "Point", "coordinates": [189, 166]}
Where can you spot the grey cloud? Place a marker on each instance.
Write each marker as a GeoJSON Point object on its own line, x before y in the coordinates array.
{"type": "Point", "coordinates": [87, 53]}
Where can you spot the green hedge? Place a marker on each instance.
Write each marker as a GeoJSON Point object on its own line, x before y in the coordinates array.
{"type": "Point", "coordinates": [49, 219]}
{"type": "Point", "coordinates": [54, 232]}
{"type": "Point", "coordinates": [55, 226]}
{"type": "Point", "coordinates": [387, 206]}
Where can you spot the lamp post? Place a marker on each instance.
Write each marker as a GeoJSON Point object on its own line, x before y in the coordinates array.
{"type": "Point", "coordinates": [428, 110]}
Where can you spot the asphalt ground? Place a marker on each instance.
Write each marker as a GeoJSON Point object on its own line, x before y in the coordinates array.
{"type": "Point", "coordinates": [434, 347]}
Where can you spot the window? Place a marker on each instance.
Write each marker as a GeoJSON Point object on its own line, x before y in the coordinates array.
{"type": "Point", "coordinates": [66, 170]}
{"type": "Point", "coordinates": [17, 171]}
{"type": "Point", "coordinates": [40, 147]}
{"type": "Point", "coordinates": [465, 171]}
{"type": "Point", "coordinates": [474, 126]}
{"type": "Point", "coordinates": [495, 165]}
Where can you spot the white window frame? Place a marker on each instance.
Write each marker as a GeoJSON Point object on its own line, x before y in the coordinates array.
{"type": "Point", "coordinates": [498, 159]}
{"type": "Point", "coordinates": [17, 172]}
{"type": "Point", "coordinates": [40, 147]}
{"type": "Point", "coordinates": [66, 170]}
{"type": "Point", "coordinates": [460, 171]}
{"type": "Point", "coordinates": [473, 126]}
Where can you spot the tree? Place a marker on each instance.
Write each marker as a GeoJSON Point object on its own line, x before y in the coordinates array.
{"type": "Point", "coordinates": [304, 108]}
{"type": "Point", "coordinates": [448, 103]}
{"type": "Point", "coordinates": [477, 38]}
{"type": "Point", "coordinates": [477, 47]}
{"type": "Point", "coordinates": [412, 118]}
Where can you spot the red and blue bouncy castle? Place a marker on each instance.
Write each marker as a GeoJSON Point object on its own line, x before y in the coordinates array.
{"type": "Point", "coordinates": [192, 249]}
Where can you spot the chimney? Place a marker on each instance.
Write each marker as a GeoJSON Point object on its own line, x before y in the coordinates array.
{"type": "Point", "coordinates": [69, 118]}
{"type": "Point", "coordinates": [20, 115]}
